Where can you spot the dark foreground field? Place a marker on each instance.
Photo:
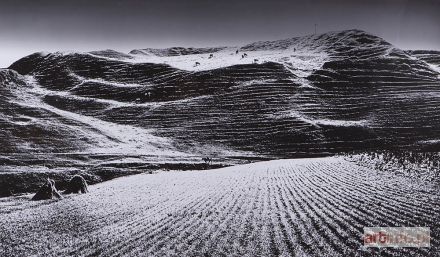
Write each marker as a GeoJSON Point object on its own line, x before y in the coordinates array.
{"type": "Point", "coordinates": [303, 207]}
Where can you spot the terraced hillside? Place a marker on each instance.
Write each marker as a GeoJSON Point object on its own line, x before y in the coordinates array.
{"type": "Point", "coordinates": [32, 126]}
{"type": "Point", "coordinates": [302, 207]}
{"type": "Point", "coordinates": [306, 96]}
{"type": "Point", "coordinates": [432, 57]}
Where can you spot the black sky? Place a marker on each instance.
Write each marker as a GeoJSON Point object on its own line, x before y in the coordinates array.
{"type": "Point", "coordinates": [28, 26]}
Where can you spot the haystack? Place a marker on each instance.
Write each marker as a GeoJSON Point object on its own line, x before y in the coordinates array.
{"type": "Point", "coordinates": [77, 185]}
{"type": "Point", "coordinates": [47, 191]}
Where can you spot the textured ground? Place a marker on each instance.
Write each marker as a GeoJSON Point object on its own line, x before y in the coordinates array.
{"type": "Point", "coordinates": [303, 207]}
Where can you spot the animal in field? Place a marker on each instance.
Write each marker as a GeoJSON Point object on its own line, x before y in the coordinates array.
{"type": "Point", "coordinates": [256, 60]}
{"type": "Point", "coordinates": [196, 64]}
{"type": "Point", "coordinates": [211, 56]}
{"type": "Point", "coordinates": [244, 55]}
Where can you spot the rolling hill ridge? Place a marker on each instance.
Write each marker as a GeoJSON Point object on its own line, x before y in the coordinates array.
{"type": "Point", "coordinates": [305, 96]}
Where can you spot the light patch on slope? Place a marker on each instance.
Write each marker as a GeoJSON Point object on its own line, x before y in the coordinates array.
{"type": "Point", "coordinates": [417, 95]}
{"type": "Point", "coordinates": [435, 68]}
{"type": "Point", "coordinates": [104, 82]}
{"type": "Point", "coordinates": [319, 122]}
{"type": "Point", "coordinates": [118, 104]}
{"type": "Point", "coordinates": [341, 123]}
{"type": "Point", "coordinates": [432, 141]}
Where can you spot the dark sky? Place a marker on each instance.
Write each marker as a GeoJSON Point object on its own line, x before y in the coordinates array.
{"type": "Point", "coordinates": [28, 26]}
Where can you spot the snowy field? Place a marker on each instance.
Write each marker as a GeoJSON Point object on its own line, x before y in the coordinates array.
{"type": "Point", "coordinates": [306, 59]}
{"type": "Point", "coordinates": [302, 207]}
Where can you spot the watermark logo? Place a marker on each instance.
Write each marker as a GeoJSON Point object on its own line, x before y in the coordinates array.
{"type": "Point", "coordinates": [397, 237]}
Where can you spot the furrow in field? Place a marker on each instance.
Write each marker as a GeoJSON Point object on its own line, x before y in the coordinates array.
{"type": "Point", "coordinates": [304, 207]}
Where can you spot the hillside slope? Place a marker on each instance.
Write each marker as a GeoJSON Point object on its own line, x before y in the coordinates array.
{"type": "Point", "coordinates": [304, 96]}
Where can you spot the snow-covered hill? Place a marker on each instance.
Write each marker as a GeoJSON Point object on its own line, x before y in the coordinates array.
{"type": "Point", "coordinates": [302, 55]}
{"type": "Point", "coordinates": [304, 96]}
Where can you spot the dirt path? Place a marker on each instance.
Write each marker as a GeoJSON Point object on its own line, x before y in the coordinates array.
{"type": "Point", "coordinates": [305, 207]}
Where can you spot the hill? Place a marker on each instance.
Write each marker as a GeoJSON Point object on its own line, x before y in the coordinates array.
{"type": "Point", "coordinates": [304, 96]}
